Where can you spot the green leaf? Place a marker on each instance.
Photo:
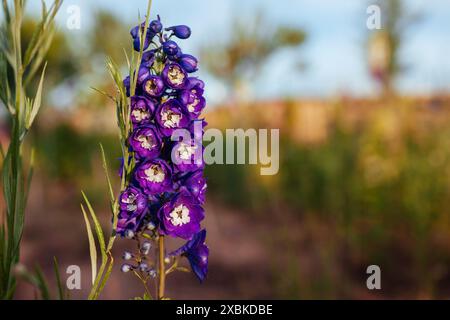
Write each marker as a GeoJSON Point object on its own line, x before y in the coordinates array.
{"type": "Point", "coordinates": [92, 247]}
{"type": "Point", "coordinates": [108, 180]}
{"type": "Point", "coordinates": [97, 226]}
{"type": "Point", "coordinates": [31, 114]}
{"type": "Point", "coordinates": [42, 284]}
{"type": "Point", "coordinates": [58, 279]}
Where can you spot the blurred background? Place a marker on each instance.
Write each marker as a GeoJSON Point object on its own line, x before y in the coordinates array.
{"type": "Point", "coordinates": [364, 119]}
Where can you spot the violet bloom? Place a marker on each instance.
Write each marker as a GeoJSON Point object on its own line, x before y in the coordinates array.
{"type": "Point", "coordinates": [170, 48]}
{"type": "Point", "coordinates": [153, 86]}
{"type": "Point", "coordinates": [195, 184]}
{"type": "Point", "coordinates": [135, 34]}
{"type": "Point", "coordinates": [145, 142]}
{"type": "Point", "coordinates": [174, 76]}
{"type": "Point", "coordinates": [126, 84]}
{"type": "Point", "coordinates": [154, 176]}
{"type": "Point", "coordinates": [197, 252]}
{"type": "Point", "coordinates": [133, 207]}
{"type": "Point", "coordinates": [170, 116]}
{"type": "Point", "coordinates": [181, 32]}
{"type": "Point", "coordinates": [148, 57]}
{"type": "Point", "coordinates": [188, 63]}
{"type": "Point", "coordinates": [142, 110]}
{"type": "Point", "coordinates": [187, 156]}
{"type": "Point", "coordinates": [155, 26]}
{"type": "Point", "coordinates": [180, 216]}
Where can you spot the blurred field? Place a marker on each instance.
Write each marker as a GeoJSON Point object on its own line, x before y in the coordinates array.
{"type": "Point", "coordinates": [361, 182]}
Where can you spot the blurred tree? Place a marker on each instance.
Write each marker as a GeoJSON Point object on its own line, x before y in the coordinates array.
{"type": "Point", "coordinates": [251, 44]}
{"type": "Point", "coordinates": [384, 45]}
{"type": "Point", "coordinates": [109, 37]}
{"type": "Point", "coordinates": [60, 57]}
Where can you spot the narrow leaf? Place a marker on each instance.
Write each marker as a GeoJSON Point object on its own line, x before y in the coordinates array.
{"type": "Point", "coordinates": [37, 101]}
{"type": "Point", "coordinates": [92, 248]}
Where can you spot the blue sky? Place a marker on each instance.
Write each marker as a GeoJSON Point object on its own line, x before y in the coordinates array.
{"type": "Point", "coordinates": [334, 53]}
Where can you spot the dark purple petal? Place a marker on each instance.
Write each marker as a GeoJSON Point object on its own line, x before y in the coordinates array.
{"type": "Point", "coordinates": [142, 110]}
{"type": "Point", "coordinates": [153, 86]}
{"type": "Point", "coordinates": [154, 176]}
{"type": "Point", "coordinates": [180, 217]}
{"type": "Point", "coordinates": [171, 116]}
{"type": "Point", "coordinates": [145, 142]}
{"type": "Point", "coordinates": [181, 31]}
{"type": "Point", "coordinates": [170, 48]}
{"type": "Point", "coordinates": [174, 76]}
{"type": "Point", "coordinates": [188, 62]}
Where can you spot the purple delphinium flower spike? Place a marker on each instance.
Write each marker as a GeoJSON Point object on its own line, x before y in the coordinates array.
{"type": "Point", "coordinates": [163, 179]}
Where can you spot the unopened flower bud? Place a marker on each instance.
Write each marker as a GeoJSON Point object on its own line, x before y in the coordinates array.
{"type": "Point", "coordinates": [126, 267]}
{"type": "Point", "coordinates": [127, 255]}
{"type": "Point", "coordinates": [145, 248]}
{"type": "Point", "coordinates": [129, 234]}
{"type": "Point", "coordinates": [143, 267]}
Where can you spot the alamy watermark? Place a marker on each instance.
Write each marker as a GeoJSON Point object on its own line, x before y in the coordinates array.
{"type": "Point", "coordinates": [236, 146]}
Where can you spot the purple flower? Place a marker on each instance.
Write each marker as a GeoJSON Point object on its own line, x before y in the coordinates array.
{"type": "Point", "coordinates": [174, 76]}
{"type": "Point", "coordinates": [155, 26]}
{"type": "Point", "coordinates": [148, 57]}
{"type": "Point", "coordinates": [154, 176]}
{"type": "Point", "coordinates": [136, 37]}
{"type": "Point", "coordinates": [188, 63]}
{"type": "Point", "coordinates": [192, 98]}
{"type": "Point", "coordinates": [170, 48]}
{"type": "Point", "coordinates": [180, 216]}
{"type": "Point", "coordinates": [133, 205]}
{"type": "Point", "coordinates": [197, 252]}
{"type": "Point", "coordinates": [195, 184]}
{"type": "Point", "coordinates": [142, 110]}
{"type": "Point", "coordinates": [170, 116]}
{"type": "Point", "coordinates": [187, 156]}
{"type": "Point", "coordinates": [126, 84]}
{"type": "Point", "coordinates": [153, 86]}
{"type": "Point", "coordinates": [181, 32]}
{"type": "Point", "coordinates": [145, 142]}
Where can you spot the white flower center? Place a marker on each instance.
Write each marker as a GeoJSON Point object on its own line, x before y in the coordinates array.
{"type": "Point", "coordinates": [146, 142]}
{"type": "Point", "coordinates": [170, 119]}
{"type": "Point", "coordinates": [180, 216]}
{"type": "Point", "coordinates": [140, 115]}
{"type": "Point", "coordinates": [129, 199]}
{"type": "Point", "coordinates": [131, 207]}
{"type": "Point", "coordinates": [155, 174]}
{"type": "Point", "coordinates": [175, 75]}
{"type": "Point", "coordinates": [185, 151]}
{"type": "Point", "coordinates": [191, 106]}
